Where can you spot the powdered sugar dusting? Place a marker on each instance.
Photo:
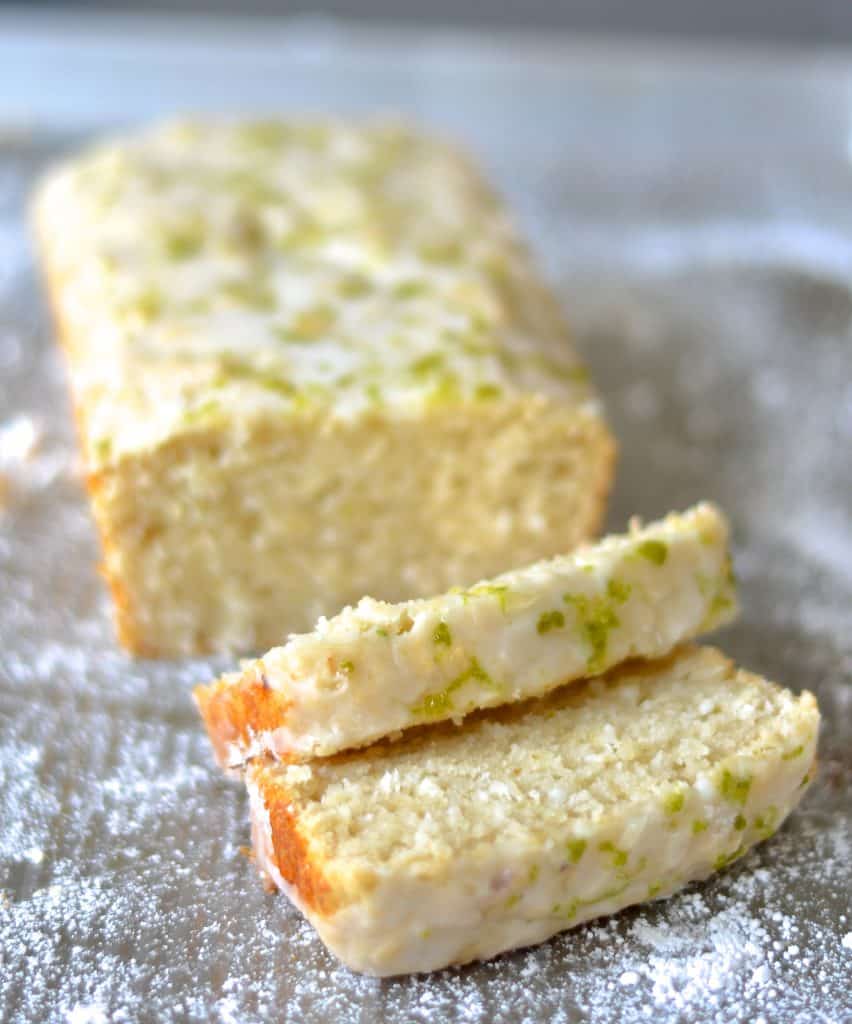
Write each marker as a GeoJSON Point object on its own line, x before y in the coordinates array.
{"type": "Point", "coordinates": [725, 361]}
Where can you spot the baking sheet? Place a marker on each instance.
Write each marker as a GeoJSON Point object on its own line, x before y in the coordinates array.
{"type": "Point", "coordinates": [695, 213]}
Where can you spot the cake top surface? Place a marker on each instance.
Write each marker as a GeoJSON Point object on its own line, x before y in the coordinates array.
{"type": "Point", "coordinates": [523, 773]}
{"type": "Point", "coordinates": [204, 267]}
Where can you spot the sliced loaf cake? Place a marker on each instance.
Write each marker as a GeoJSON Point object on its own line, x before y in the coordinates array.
{"type": "Point", "coordinates": [455, 844]}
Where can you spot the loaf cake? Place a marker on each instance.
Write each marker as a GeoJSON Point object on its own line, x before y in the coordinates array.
{"type": "Point", "coordinates": [455, 844]}
{"type": "Point", "coordinates": [378, 668]}
{"type": "Point", "coordinates": [309, 360]}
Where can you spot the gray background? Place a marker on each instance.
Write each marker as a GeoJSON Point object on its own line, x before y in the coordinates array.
{"type": "Point", "coordinates": [822, 22]}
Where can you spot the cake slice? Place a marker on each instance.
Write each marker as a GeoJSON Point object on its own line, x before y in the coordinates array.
{"type": "Point", "coordinates": [310, 360]}
{"type": "Point", "coordinates": [455, 844]}
{"type": "Point", "coordinates": [378, 668]}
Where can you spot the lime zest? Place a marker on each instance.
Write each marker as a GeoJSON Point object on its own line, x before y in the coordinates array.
{"type": "Point", "coordinates": [440, 704]}
{"type": "Point", "coordinates": [576, 849]}
{"type": "Point", "coordinates": [654, 551]}
{"type": "Point", "coordinates": [442, 635]}
{"type": "Point", "coordinates": [735, 788]}
{"type": "Point", "coordinates": [550, 620]}
{"type": "Point", "coordinates": [674, 802]}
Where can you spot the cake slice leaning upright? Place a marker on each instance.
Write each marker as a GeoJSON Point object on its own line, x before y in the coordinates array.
{"type": "Point", "coordinates": [310, 360]}
{"type": "Point", "coordinates": [378, 668]}
{"type": "Point", "coordinates": [455, 844]}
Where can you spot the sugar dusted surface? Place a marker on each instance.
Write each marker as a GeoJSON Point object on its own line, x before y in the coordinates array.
{"type": "Point", "coordinates": [711, 317]}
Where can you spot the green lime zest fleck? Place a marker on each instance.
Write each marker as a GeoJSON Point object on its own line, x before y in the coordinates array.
{"type": "Point", "coordinates": [618, 590]}
{"type": "Point", "coordinates": [550, 620]}
{"type": "Point", "coordinates": [442, 635]}
{"type": "Point", "coordinates": [231, 368]}
{"type": "Point", "coordinates": [411, 289]}
{"type": "Point", "coordinates": [720, 604]}
{"type": "Point", "coordinates": [724, 859]}
{"type": "Point", "coordinates": [576, 849]}
{"type": "Point", "coordinates": [441, 252]}
{"type": "Point", "coordinates": [595, 619]}
{"type": "Point", "coordinates": [445, 390]}
{"type": "Point", "coordinates": [719, 592]}
{"type": "Point", "coordinates": [347, 666]}
{"type": "Point", "coordinates": [498, 590]}
{"type": "Point", "coordinates": [246, 233]}
{"type": "Point", "coordinates": [272, 382]}
{"type": "Point", "coordinates": [264, 134]}
{"type": "Point", "coordinates": [251, 188]}
{"type": "Point", "coordinates": [476, 671]}
{"type": "Point", "coordinates": [487, 392]}
{"type": "Point", "coordinates": [765, 824]}
{"type": "Point", "coordinates": [533, 873]}
{"type": "Point", "coordinates": [572, 373]}
{"type": "Point", "coordinates": [654, 889]}
{"type": "Point", "coordinates": [308, 397]}
{"type": "Point", "coordinates": [354, 286]}
{"type": "Point", "coordinates": [444, 383]}
{"type": "Point", "coordinates": [381, 631]}
{"type": "Point", "coordinates": [198, 307]}
{"type": "Point", "coordinates": [303, 234]}
{"type": "Point", "coordinates": [619, 857]}
{"type": "Point", "coordinates": [511, 900]}
{"type": "Point", "coordinates": [147, 305]}
{"type": "Point", "coordinates": [440, 704]}
{"type": "Point", "coordinates": [704, 583]}
{"type": "Point", "coordinates": [254, 294]}
{"type": "Point", "coordinates": [791, 755]}
{"type": "Point", "coordinates": [184, 243]}
{"type": "Point", "coordinates": [655, 551]}
{"type": "Point", "coordinates": [427, 365]}
{"type": "Point", "coordinates": [306, 326]}
{"type": "Point", "coordinates": [374, 393]}
{"type": "Point", "coordinates": [735, 788]}
{"type": "Point", "coordinates": [102, 448]}
{"type": "Point", "coordinates": [205, 411]}
{"type": "Point", "coordinates": [699, 826]}
{"type": "Point", "coordinates": [740, 823]}
{"type": "Point", "coordinates": [435, 705]}
{"type": "Point", "coordinates": [674, 802]}
{"type": "Point", "coordinates": [607, 894]}
{"type": "Point", "coordinates": [578, 374]}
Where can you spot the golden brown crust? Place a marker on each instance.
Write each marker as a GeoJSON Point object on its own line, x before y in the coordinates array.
{"type": "Point", "coordinates": [290, 850]}
{"type": "Point", "coordinates": [233, 714]}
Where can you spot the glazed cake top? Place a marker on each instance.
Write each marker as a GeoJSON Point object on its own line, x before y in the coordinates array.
{"type": "Point", "coordinates": [203, 269]}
